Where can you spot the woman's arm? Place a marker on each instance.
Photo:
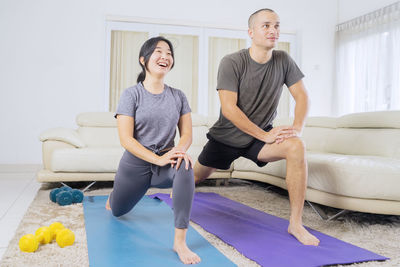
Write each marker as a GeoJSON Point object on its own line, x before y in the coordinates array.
{"type": "Point", "coordinates": [125, 131]}
{"type": "Point", "coordinates": [185, 132]}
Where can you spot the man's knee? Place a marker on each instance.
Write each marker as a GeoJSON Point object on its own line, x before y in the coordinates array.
{"type": "Point", "coordinates": [295, 146]}
{"type": "Point", "coordinates": [201, 172]}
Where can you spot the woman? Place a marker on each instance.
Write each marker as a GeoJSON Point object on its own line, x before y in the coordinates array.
{"type": "Point", "coordinates": [147, 116]}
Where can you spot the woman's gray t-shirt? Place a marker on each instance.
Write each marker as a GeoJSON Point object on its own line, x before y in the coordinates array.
{"type": "Point", "coordinates": [155, 115]}
{"type": "Point", "coordinates": [259, 88]}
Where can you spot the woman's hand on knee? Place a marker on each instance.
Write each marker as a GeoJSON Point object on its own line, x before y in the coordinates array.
{"type": "Point", "coordinates": [188, 162]}
{"type": "Point", "coordinates": [170, 157]}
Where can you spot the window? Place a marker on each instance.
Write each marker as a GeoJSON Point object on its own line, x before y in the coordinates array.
{"type": "Point", "coordinates": [367, 65]}
{"type": "Point", "coordinates": [198, 51]}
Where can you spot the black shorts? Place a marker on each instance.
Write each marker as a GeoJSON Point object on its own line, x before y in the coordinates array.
{"type": "Point", "coordinates": [220, 156]}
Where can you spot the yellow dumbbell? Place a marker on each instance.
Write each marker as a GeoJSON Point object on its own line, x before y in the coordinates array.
{"type": "Point", "coordinates": [55, 228]}
{"type": "Point", "coordinates": [28, 243]}
{"type": "Point", "coordinates": [44, 235]}
{"type": "Point", "coordinates": [65, 237]}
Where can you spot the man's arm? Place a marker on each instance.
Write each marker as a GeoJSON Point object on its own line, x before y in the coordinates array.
{"type": "Point", "coordinates": [232, 112]}
{"type": "Point", "coordinates": [300, 96]}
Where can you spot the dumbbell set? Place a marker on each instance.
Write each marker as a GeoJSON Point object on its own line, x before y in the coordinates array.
{"type": "Point", "coordinates": [66, 195]}
{"type": "Point", "coordinates": [44, 235]}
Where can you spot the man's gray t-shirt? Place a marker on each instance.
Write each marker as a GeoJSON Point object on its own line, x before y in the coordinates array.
{"type": "Point", "coordinates": [155, 115]}
{"type": "Point", "coordinates": [259, 87]}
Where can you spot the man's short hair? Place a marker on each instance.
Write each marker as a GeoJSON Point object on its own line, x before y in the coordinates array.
{"type": "Point", "coordinates": [252, 16]}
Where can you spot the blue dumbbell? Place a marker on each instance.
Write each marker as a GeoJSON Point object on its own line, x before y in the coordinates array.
{"type": "Point", "coordinates": [66, 195]}
{"type": "Point", "coordinates": [65, 188]}
{"type": "Point", "coordinates": [64, 198]}
{"type": "Point", "coordinates": [53, 194]}
{"type": "Point", "coordinates": [77, 196]}
{"type": "Point", "coordinates": [55, 191]}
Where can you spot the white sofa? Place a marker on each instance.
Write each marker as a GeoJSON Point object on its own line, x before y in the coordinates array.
{"type": "Point", "coordinates": [353, 160]}
{"type": "Point", "coordinates": [92, 152]}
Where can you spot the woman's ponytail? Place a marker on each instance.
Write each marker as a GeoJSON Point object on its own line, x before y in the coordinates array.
{"type": "Point", "coordinates": [142, 75]}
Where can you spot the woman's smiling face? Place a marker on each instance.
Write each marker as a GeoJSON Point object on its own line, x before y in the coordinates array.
{"type": "Point", "coordinates": [161, 61]}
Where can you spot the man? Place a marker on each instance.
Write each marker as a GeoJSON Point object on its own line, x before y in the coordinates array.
{"type": "Point", "coordinates": [249, 85]}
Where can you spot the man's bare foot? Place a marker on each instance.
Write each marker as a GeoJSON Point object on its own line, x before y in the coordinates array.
{"type": "Point", "coordinates": [108, 204]}
{"type": "Point", "coordinates": [303, 235]}
{"type": "Point", "coordinates": [185, 254]}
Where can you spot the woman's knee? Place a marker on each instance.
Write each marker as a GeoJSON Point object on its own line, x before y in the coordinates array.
{"type": "Point", "coordinates": [182, 171]}
{"type": "Point", "coordinates": [184, 175]}
{"type": "Point", "coordinates": [117, 213]}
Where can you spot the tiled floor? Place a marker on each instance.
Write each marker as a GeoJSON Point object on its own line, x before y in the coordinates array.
{"type": "Point", "coordinates": [18, 187]}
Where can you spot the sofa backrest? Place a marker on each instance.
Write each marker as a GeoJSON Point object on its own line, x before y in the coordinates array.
{"type": "Point", "coordinates": [315, 131]}
{"type": "Point", "coordinates": [368, 133]}
{"type": "Point", "coordinates": [98, 129]}
{"type": "Point", "coordinates": [201, 124]}
{"type": "Point", "coordinates": [199, 131]}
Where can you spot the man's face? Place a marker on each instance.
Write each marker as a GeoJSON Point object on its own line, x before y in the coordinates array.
{"type": "Point", "coordinates": [265, 29]}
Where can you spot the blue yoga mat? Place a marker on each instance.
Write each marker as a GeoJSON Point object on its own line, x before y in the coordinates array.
{"type": "Point", "coordinates": [143, 237]}
{"type": "Point", "coordinates": [264, 238]}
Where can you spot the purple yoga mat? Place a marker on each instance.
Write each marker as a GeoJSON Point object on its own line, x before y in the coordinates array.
{"type": "Point", "coordinates": [264, 238]}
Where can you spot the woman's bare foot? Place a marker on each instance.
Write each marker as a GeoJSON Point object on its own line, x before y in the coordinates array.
{"type": "Point", "coordinates": [108, 204]}
{"type": "Point", "coordinates": [301, 234]}
{"type": "Point", "coordinates": [185, 254]}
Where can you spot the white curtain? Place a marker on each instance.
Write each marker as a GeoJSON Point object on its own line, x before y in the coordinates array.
{"type": "Point", "coordinates": [218, 47]}
{"type": "Point", "coordinates": [368, 62]}
{"type": "Point", "coordinates": [184, 75]}
{"type": "Point", "coordinates": [124, 62]}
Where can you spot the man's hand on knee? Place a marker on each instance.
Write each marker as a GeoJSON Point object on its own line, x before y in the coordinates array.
{"type": "Point", "coordinates": [279, 134]}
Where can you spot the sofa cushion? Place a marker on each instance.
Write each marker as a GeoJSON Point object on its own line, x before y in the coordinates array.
{"type": "Point", "coordinates": [96, 159]}
{"type": "Point", "coordinates": [93, 159]}
{"type": "Point", "coordinates": [316, 131]}
{"type": "Point", "coordinates": [367, 141]}
{"type": "Point", "coordinates": [316, 139]}
{"type": "Point", "coordinates": [355, 176]}
{"type": "Point", "coordinates": [99, 136]}
{"type": "Point", "coordinates": [325, 122]}
{"type": "Point", "coordinates": [376, 119]}
{"type": "Point", "coordinates": [199, 135]}
{"type": "Point", "coordinates": [199, 120]}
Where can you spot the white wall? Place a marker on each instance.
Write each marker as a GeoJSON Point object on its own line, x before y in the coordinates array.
{"type": "Point", "coordinates": [53, 52]}
{"type": "Point", "coordinates": [350, 9]}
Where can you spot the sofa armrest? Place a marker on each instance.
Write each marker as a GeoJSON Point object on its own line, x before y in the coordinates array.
{"type": "Point", "coordinates": [48, 147]}
{"type": "Point", "coordinates": [66, 135]}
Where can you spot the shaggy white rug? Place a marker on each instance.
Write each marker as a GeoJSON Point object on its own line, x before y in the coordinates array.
{"type": "Point", "coordinates": [377, 233]}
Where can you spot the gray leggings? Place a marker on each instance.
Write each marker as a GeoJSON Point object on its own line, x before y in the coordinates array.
{"type": "Point", "coordinates": [135, 176]}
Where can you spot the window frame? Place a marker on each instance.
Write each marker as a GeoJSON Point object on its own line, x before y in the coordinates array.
{"type": "Point", "coordinates": [202, 32]}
